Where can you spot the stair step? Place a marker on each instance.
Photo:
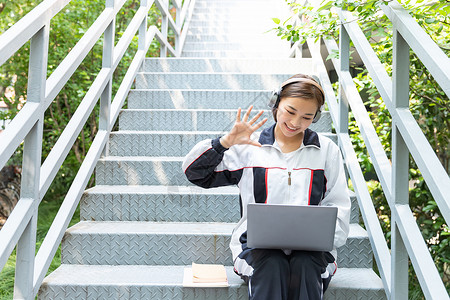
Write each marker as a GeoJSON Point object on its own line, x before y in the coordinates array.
{"type": "Point", "coordinates": [235, 46]}
{"type": "Point", "coordinates": [259, 31]}
{"type": "Point", "coordinates": [167, 204]}
{"type": "Point", "coordinates": [234, 22]}
{"type": "Point", "coordinates": [238, 65]}
{"type": "Point", "coordinates": [197, 80]}
{"type": "Point", "coordinates": [234, 53]}
{"type": "Point", "coordinates": [160, 204]}
{"type": "Point", "coordinates": [175, 243]}
{"type": "Point", "coordinates": [147, 243]}
{"type": "Point", "coordinates": [196, 120]}
{"type": "Point", "coordinates": [234, 38]}
{"type": "Point", "coordinates": [238, 5]}
{"type": "Point", "coordinates": [227, 19]}
{"type": "Point", "coordinates": [165, 143]}
{"type": "Point", "coordinates": [202, 99]}
{"type": "Point", "coordinates": [165, 282]}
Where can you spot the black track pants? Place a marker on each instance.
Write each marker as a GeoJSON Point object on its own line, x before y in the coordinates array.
{"type": "Point", "coordinates": [273, 275]}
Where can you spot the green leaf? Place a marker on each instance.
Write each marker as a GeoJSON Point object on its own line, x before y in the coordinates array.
{"type": "Point", "coordinates": [326, 6]}
{"type": "Point", "coordinates": [276, 20]}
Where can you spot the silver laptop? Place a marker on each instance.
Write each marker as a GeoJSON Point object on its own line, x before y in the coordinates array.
{"type": "Point", "coordinates": [278, 226]}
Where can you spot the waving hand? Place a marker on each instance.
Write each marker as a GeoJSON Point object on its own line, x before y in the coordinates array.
{"type": "Point", "coordinates": [242, 130]}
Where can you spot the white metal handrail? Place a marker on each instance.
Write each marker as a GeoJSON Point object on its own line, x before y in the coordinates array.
{"type": "Point", "coordinates": [407, 240]}
{"type": "Point", "coordinates": [27, 126]}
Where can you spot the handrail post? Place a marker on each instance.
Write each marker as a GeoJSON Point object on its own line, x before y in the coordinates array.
{"type": "Point", "coordinates": [164, 28]}
{"type": "Point", "coordinates": [143, 32]}
{"type": "Point", "coordinates": [107, 62]}
{"type": "Point", "coordinates": [400, 167]}
{"type": "Point", "coordinates": [178, 23]}
{"type": "Point", "coordinates": [31, 164]}
{"type": "Point", "coordinates": [344, 61]}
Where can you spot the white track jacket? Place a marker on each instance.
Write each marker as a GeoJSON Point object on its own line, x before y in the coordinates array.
{"type": "Point", "coordinates": [314, 177]}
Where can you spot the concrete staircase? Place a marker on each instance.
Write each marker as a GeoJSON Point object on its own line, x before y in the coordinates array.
{"type": "Point", "coordinates": [144, 222]}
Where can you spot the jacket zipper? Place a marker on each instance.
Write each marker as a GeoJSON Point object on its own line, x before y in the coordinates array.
{"type": "Point", "coordinates": [288, 200]}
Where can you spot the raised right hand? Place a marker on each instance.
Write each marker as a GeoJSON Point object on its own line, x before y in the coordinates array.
{"type": "Point", "coordinates": [242, 130]}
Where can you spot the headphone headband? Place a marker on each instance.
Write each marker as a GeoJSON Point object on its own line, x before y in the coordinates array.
{"type": "Point", "coordinates": [307, 80]}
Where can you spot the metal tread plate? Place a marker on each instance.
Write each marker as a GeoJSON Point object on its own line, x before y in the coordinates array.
{"type": "Point", "coordinates": [167, 204]}
{"type": "Point", "coordinates": [167, 143]}
{"type": "Point", "coordinates": [197, 99]}
{"type": "Point", "coordinates": [250, 65]}
{"type": "Point", "coordinates": [167, 243]}
{"type": "Point", "coordinates": [196, 120]}
{"type": "Point", "coordinates": [165, 282]}
{"type": "Point", "coordinates": [202, 80]}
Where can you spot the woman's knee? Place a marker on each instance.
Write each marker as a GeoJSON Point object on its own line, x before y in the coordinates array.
{"type": "Point", "coordinates": [308, 259]}
{"type": "Point", "coordinates": [273, 261]}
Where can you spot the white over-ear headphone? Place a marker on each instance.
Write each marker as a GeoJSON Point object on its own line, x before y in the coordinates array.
{"type": "Point", "coordinates": [274, 99]}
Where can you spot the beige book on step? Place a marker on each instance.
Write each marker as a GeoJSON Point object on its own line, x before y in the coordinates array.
{"type": "Point", "coordinates": [208, 273]}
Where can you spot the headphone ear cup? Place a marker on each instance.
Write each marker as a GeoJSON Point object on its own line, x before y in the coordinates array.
{"type": "Point", "coordinates": [273, 98]}
{"type": "Point", "coordinates": [317, 116]}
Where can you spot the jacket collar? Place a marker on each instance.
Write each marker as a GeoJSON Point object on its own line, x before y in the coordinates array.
{"type": "Point", "coordinates": [310, 138]}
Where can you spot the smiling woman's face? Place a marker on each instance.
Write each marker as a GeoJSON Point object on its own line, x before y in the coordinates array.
{"type": "Point", "coordinates": [294, 115]}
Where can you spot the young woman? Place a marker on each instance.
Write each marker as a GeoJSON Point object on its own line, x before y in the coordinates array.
{"type": "Point", "coordinates": [289, 164]}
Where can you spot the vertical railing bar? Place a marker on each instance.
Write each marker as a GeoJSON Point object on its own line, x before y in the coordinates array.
{"type": "Point", "coordinates": [164, 28]}
{"type": "Point", "coordinates": [107, 62]}
{"type": "Point", "coordinates": [400, 166]}
{"type": "Point", "coordinates": [143, 31]}
{"type": "Point", "coordinates": [31, 164]}
{"type": "Point", "coordinates": [344, 66]}
{"type": "Point", "coordinates": [178, 23]}
{"type": "Point", "coordinates": [26, 247]}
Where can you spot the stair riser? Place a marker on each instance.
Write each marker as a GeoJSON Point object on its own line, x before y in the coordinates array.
{"type": "Point", "coordinates": [347, 293]}
{"type": "Point", "coordinates": [168, 207]}
{"type": "Point", "coordinates": [205, 38]}
{"type": "Point", "coordinates": [234, 54]}
{"type": "Point", "coordinates": [145, 249]}
{"type": "Point", "coordinates": [235, 5]}
{"type": "Point", "coordinates": [206, 9]}
{"type": "Point", "coordinates": [140, 173]}
{"type": "Point", "coordinates": [277, 66]}
{"type": "Point", "coordinates": [209, 81]}
{"type": "Point", "coordinates": [231, 22]}
{"type": "Point", "coordinates": [232, 18]}
{"type": "Point", "coordinates": [177, 249]}
{"type": "Point", "coordinates": [257, 31]}
{"type": "Point", "coordinates": [155, 292]}
{"type": "Point", "coordinates": [211, 120]}
{"type": "Point", "coordinates": [185, 99]}
{"type": "Point", "coordinates": [161, 144]}
{"type": "Point", "coordinates": [354, 213]}
{"type": "Point", "coordinates": [246, 46]}
{"type": "Point", "coordinates": [181, 293]}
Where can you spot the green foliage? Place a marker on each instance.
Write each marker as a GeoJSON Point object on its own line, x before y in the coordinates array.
{"type": "Point", "coordinates": [67, 27]}
{"type": "Point", "coordinates": [428, 104]}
